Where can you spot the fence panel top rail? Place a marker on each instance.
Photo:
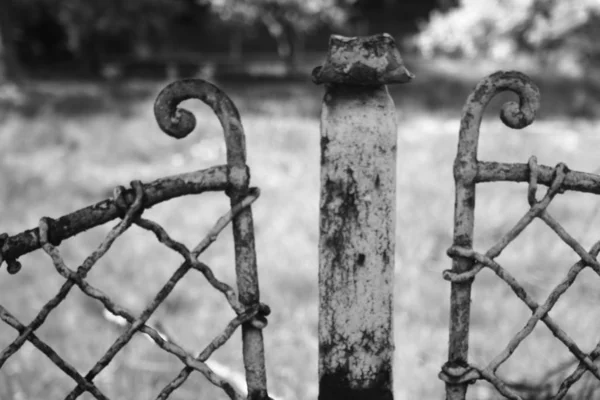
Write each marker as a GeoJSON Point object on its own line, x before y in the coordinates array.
{"type": "Point", "coordinates": [128, 205]}
{"type": "Point", "coordinates": [457, 372]}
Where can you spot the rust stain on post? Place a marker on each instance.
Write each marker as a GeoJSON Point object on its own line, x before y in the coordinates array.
{"type": "Point", "coordinates": [357, 221]}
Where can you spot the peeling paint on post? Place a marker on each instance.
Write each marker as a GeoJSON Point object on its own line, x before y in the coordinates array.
{"type": "Point", "coordinates": [357, 219]}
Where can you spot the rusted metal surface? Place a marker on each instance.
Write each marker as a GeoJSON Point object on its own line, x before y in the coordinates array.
{"type": "Point", "coordinates": [574, 180]}
{"type": "Point", "coordinates": [211, 179]}
{"type": "Point", "coordinates": [357, 218]}
{"type": "Point", "coordinates": [457, 372]}
{"type": "Point", "coordinates": [362, 61]}
{"type": "Point", "coordinates": [178, 123]}
{"type": "Point", "coordinates": [232, 178]}
{"type": "Point", "coordinates": [465, 171]}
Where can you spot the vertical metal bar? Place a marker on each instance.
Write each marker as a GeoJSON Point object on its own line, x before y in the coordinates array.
{"type": "Point", "coordinates": [178, 123]}
{"type": "Point", "coordinates": [248, 292]}
{"type": "Point", "coordinates": [516, 116]}
{"type": "Point", "coordinates": [460, 293]}
{"type": "Point", "coordinates": [357, 217]}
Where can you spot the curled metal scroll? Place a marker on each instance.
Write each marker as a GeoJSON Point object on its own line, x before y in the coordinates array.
{"type": "Point", "coordinates": [514, 115]}
{"type": "Point", "coordinates": [179, 122]}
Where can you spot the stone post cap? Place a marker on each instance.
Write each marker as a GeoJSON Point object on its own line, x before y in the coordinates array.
{"type": "Point", "coordinates": [364, 61]}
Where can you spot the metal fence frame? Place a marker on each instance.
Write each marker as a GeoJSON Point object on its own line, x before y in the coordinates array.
{"type": "Point", "coordinates": [233, 178]}
{"type": "Point", "coordinates": [357, 234]}
{"type": "Point", "coordinates": [457, 372]}
{"type": "Point", "coordinates": [358, 217]}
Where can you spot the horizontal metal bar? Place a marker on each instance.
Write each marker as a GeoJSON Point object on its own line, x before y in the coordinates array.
{"type": "Point", "coordinates": [207, 180]}
{"type": "Point", "coordinates": [574, 180]}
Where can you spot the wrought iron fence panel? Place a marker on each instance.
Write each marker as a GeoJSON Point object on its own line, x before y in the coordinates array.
{"type": "Point", "coordinates": [457, 372]}
{"type": "Point", "coordinates": [128, 205]}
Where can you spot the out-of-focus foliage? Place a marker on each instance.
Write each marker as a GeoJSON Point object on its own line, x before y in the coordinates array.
{"type": "Point", "coordinates": [94, 33]}
{"type": "Point", "coordinates": [287, 21]}
{"type": "Point", "coordinates": [303, 15]}
{"type": "Point", "coordinates": [108, 18]}
{"type": "Point", "coordinates": [501, 28]}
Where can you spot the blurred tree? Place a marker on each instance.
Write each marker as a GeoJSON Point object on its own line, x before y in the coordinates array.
{"type": "Point", "coordinates": [446, 5]}
{"type": "Point", "coordinates": [501, 28]}
{"type": "Point", "coordinates": [287, 21]}
{"type": "Point", "coordinates": [10, 70]}
{"type": "Point", "coordinates": [41, 39]}
{"type": "Point", "coordinates": [94, 29]}
{"type": "Point", "coordinates": [399, 18]}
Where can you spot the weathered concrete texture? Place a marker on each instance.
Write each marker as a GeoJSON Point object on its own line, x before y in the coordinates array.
{"type": "Point", "coordinates": [357, 234]}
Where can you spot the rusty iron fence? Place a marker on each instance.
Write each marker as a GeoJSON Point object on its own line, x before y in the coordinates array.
{"type": "Point", "coordinates": [457, 372]}
{"type": "Point", "coordinates": [233, 178]}
{"type": "Point", "coordinates": [356, 239]}
{"type": "Point", "coordinates": [357, 235]}
{"type": "Point", "coordinates": [358, 217]}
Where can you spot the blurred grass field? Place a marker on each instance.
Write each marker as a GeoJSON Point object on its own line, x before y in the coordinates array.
{"type": "Point", "coordinates": [70, 147]}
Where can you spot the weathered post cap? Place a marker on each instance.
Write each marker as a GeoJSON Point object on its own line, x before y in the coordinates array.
{"type": "Point", "coordinates": [366, 61]}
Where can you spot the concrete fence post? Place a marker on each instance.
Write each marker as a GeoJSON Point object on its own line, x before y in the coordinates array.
{"type": "Point", "coordinates": [357, 217]}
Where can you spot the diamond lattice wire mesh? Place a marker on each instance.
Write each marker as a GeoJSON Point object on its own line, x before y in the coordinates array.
{"type": "Point", "coordinates": [458, 373]}
{"type": "Point", "coordinates": [129, 206]}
